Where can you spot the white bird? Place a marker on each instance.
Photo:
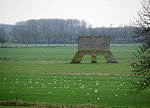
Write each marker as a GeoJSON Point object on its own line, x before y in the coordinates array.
{"type": "Point", "coordinates": [96, 91]}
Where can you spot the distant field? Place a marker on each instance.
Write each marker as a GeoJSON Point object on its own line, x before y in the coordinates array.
{"type": "Point", "coordinates": [58, 45]}
{"type": "Point", "coordinates": [36, 75]}
{"type": "Point", "coordinates": [57, 60]}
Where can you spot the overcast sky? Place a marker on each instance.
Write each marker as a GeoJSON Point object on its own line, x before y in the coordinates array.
{"type": "Point", "coordinates": [96, 12]}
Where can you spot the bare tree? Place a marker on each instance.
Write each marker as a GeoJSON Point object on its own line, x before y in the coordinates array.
{"type": "Point", "coordinates": [141, 29]}
{"type": "Point", "coordinates": [2, 36]}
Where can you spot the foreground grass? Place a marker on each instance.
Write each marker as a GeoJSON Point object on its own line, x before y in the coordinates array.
{"type": "Point", "coordinates": [71, 89]}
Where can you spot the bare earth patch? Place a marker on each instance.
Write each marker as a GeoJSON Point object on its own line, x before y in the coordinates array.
{"type": "Point", "coordinates": [21, 103]}
{"type": "Point", "coordinates": [106, 74]}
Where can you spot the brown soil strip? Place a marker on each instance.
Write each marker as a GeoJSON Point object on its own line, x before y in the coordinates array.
{"type": "Point", "coordinates": [21, 103]}
{"type": "Point", "coordinates": [101, 74]}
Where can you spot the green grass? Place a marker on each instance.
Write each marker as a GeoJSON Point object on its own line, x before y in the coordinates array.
{"type": "Point", "coordinates": [52, 60]}
{"type": "Point", "coordinates": [36, 45]}
{"type": "Point", "coordinates": [56, 45]}
{"type": "Point", "coordinates": [71, 89]}
{"type": "Point", "coordinates": [25, 74]}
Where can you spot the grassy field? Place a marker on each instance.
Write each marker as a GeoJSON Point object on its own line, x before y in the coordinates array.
{"type": "Point", "coordinates": [57, 45]}
{"type": "Point", "coordinates": [57, 60]}
{"type": "Point", "coordinates": [39, 75]}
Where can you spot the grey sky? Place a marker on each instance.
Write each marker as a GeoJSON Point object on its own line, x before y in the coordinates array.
{"type": "Point", "coordinates": [96, 12]}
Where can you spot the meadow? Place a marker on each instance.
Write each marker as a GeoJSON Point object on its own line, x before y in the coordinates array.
{"type": "Point", "coordinates": [45, 75]}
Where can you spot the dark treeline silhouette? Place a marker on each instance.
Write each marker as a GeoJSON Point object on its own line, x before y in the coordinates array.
{"type": "Point", "coordinates": [61, 31]}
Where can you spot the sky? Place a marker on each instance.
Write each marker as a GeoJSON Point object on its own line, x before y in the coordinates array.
{"type": "Point", "coordinates": [98, 13]}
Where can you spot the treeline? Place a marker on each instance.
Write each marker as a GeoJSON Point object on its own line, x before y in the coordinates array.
{"type": "Point", "coordinates": [60, 31]}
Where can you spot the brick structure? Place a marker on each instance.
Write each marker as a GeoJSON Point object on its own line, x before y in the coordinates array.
{"type": "Point", "coordinates": [93, 45]}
